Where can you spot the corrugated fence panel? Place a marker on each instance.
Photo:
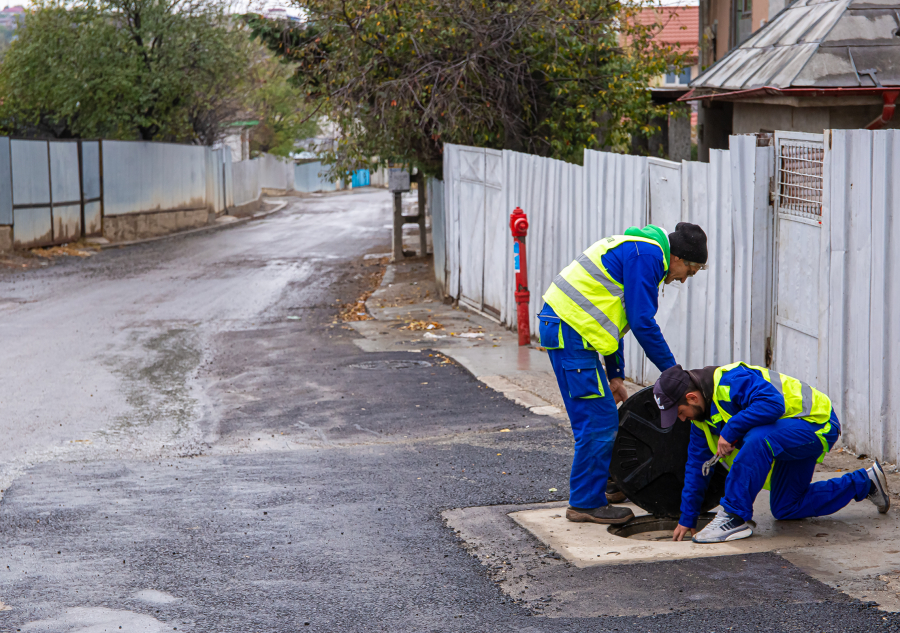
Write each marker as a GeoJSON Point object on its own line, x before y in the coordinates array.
{"type": "Point", "coordinates": [706, 301]}
{"type": "Point", "coordinates": [143, 177]}
{"type": "Point", "coordinates": [616, 188]}
{"type": "Point", "coordinates": [438, 231]}
{"type": "Point", "coordinates": [515, 195]}
{"type": "Point", "coordinates": [541, 244]}
{"type": "Point", "coordinates": [229, 178]}
{"type": "Point", "coordinates": [496, 234]}
{"type": "Point", "coordinates": [863, 330]}
{"type": "Point", "coordinates": [31, 186]}
{"type": "Point", "coordinates": [65, 189]}
{"type": "Point", "coordinates": [743, 158]}
{"type": "Point", "coordinates": [277, 173]}
{"type": "Point", "coordinates": [308, 177]}
{"type": "Point", "coordinates": [883, 376]}
{"type": "Point", "coordinates": [471, 226]}
{"type": "Point", "coordinates": [90, 186]}
{"type": "Point", "coordinates": [6, 211]}
{"type": "Point", "coordinates": [245, 181]}
{"type": "Point", "coordinates": [451, 209]}
{"type": "Point", "coordinates": [665, 211]}
{"type": "Point", "coordinates": [852, 217]}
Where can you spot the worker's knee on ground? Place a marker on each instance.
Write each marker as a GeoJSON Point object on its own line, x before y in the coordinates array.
{"type": "Point", "coordinates": [784, 513]}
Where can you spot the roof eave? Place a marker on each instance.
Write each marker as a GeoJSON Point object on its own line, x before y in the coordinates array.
{"type": "Point", "coordinates": [738, 95]}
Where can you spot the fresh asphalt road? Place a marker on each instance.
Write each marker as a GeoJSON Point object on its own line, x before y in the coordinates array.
{"type": "Point", "coordinates": [191, 443]}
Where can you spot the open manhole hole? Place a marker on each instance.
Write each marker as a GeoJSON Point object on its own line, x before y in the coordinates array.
{"type": "Point", "coordinates": [651, 528]}
{"type": "Point", "coordinates": [391, 364]}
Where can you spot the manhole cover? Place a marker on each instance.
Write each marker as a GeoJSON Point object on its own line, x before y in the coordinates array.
{"type": "Point", "coordinates": [648, 528]}
{"type": "Point", "coordinates": [391, 364]}
{"type": "Point", "coordinates": [648, 461]}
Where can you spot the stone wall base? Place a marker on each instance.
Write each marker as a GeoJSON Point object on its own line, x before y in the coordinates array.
{"type": "Point", "coordinates": [244, 210]}
{"type": "Point", "coordinates": [6, 239]}
{"type": "Point", "coordinates": [138, 226]}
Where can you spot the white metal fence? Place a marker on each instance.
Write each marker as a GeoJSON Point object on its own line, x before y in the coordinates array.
{"type": "Point", "coordinates": [569, 207]}
{"type": "Point", "coordinates": [859, 296]}
{"type": "Point", "coordinates": [52, 192]}
{"type": "Point", "coordinates": [804, 285]}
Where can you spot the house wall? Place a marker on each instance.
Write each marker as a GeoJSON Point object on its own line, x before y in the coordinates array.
{"type": "Point", "coordinates": [720, 13]}
{"type": "Point", "coordinates": [750, 118]}
{"type": "Point", "coordinates": [760, 14]}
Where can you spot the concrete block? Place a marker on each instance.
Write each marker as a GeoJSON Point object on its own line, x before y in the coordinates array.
{"type": "Point", "coordinates": [6, 239]}
{"type": "Point", "coordinates": [137, 226]}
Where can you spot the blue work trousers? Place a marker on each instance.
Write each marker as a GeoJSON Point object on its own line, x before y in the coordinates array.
{"type": "Point", "coordinates": [590, 405]}
{"type": "Point", "coordinates": [794, 447]}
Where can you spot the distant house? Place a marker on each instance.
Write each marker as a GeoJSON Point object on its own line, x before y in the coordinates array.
{"type": "Point", "coordinates": [679, 27]}
{"type": "Point", "coordinates": [9, 17]}
{"type": "Point", "coordinates": [831, 64]}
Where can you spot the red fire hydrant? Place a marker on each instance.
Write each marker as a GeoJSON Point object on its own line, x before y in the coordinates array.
{"type": "Point", "coordinates": [518, 224]}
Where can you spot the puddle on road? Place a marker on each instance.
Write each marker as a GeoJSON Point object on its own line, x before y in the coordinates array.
{"type": "Point", "coordinates": [391, 364]}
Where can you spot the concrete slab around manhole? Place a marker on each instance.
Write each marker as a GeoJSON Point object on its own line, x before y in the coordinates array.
{"type": "Point", "coordinates": [854, 550]}
{"type": "Point", "coordinates": [592, 544]}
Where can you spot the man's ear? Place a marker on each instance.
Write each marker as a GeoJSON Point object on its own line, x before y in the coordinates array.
{"type": "Point", "coordinates": [694, 398]}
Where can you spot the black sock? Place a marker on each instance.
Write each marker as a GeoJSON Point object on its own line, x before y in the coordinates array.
{"type": "Point", "coordinates": [872, 487]}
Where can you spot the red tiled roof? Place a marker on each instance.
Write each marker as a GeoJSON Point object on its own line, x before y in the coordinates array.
{"type": "Point", "coordinates": [680, 26]}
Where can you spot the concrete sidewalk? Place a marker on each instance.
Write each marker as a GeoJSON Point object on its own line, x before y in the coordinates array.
{"type": "Point", "coordinates": [405, 305]}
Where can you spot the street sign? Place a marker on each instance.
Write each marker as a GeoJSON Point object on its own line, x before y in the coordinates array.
{"type": "Point", "coordinates": [398, 180]}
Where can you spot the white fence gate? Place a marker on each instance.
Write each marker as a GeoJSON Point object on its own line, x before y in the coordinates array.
{"type": "Point", "coordinates": [800, 173]}
{"type": "Point", "coordinates": [479, 182]}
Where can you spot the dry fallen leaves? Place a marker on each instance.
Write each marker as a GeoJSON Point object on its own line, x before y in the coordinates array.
{"type": "Point", "coordinates": [64, 250]}
{"type": "Point", "coordinates": [357, 311]}
{"type": "Point", "coordinates": [422, 325]}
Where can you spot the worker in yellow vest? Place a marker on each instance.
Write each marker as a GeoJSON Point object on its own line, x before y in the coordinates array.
{"type": "Point", "coordinates": [610, 288]}
{"type": "Point", "coordinates": [770, 431]}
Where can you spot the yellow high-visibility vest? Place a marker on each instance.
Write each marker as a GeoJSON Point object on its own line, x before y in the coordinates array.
{"type": "Point", "coordinates": [585, 295]}
{"type": "Point", "coordinates": [800, 401]}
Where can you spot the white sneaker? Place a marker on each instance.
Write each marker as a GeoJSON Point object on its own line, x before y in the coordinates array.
{"type": "Point", "coordinates": [725, 527]}
{"type": "Point", "coordinates": [880, 496]}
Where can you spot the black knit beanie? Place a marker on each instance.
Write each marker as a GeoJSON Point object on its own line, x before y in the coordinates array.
{"type": "Point", "coordinates": [689, 242]}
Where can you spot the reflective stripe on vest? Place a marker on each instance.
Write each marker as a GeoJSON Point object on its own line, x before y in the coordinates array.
{"type": "Point", "coordinates": [585, 295]}
{"type": "Point", "coordinates": [800, 401]}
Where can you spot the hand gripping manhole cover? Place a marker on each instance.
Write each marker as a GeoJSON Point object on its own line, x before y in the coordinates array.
{"type": "Point", "coordinates": [648, 461]}
{"type": "Point", "coordinates": [390, 364]}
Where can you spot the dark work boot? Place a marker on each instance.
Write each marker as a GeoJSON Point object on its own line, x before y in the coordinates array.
{"type": "Point", "coordinates": [613, 494]}
{"type": "Point", "coordinates": [604, 514]}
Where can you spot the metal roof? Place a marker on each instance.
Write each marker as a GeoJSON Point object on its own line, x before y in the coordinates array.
{"type": "Point", "coordinates": [814, 44]}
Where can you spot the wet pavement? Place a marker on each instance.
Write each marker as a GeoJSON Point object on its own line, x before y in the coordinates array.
{"type": "Point", "coordinates": [193, 443]}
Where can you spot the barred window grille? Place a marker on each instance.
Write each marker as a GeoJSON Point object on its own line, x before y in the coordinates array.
{"type": "Point", "coordinates": [801, 179]}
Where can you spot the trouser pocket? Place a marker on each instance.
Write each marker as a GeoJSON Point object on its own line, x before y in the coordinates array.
{"type": "Point", "coordinates": [583, 377]}
{"type": "Point", "coordinates": [550, 332]}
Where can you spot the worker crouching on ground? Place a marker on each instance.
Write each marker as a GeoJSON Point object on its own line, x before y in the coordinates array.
{"type": "Point", "coordinates": [611, 287]}
{"type": "Point", "coordinates": [770, 431]}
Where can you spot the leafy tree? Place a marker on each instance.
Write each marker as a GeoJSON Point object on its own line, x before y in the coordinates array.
{"type": "Point", "coordinates": [279, 106]}
{"type": "Point", "coordinates": [402, 77]}
{"type": "Point", "coordinates": [128, 69]}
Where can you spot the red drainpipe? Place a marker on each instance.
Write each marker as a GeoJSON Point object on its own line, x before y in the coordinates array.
{"type": "Point", "coordinates": [887, 113]}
